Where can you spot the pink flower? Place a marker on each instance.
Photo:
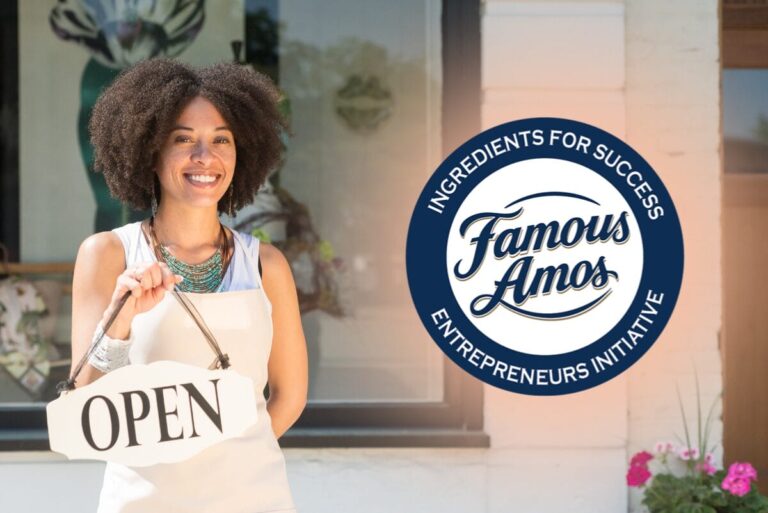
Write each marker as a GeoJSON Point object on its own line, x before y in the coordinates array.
{"type": "Point", "coordinates": [736, 485]}
{"type": "Point", "coordinates": [738, 480]}
{"type": "Point", "coordinates": [706, 467]}
{"type": "Point", "coordinates": [664, 447]}
{"type": "Point", "coordinates": [641, 458]}
{"type": "Point", "coordinates": [744, 470]}
{"type": "Point", "coordinates": [688, 453]}
{"type": "Point", "coordinates": [638, 475]}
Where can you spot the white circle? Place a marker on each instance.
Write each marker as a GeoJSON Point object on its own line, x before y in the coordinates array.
{"type": "Point", "coordinates": [523, 325]}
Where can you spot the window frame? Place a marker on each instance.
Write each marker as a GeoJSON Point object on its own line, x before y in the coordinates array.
{"type": "Point", "coordinates": [744, 45]}
{"type": "Point", "coordinates": [744, 41]}
{"type": "Point", "coordinates": [456, 421]}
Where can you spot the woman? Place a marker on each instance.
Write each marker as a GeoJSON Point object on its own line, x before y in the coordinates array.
{"type": "Point", "coordinates": [192, 143]}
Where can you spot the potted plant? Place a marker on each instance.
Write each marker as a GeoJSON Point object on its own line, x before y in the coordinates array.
{"type": "Point", "coordinates": [683, 478]}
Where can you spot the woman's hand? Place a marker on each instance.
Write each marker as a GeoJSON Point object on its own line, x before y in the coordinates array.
{"type": "Point", "coordinates": [147, 282]}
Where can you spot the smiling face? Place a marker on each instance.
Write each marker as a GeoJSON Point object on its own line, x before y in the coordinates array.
{"type": "Point", "coordinates": [197, 161]}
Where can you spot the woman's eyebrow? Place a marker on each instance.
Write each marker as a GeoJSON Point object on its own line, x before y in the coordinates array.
{"type": "Point", "coordinates": [179, 127]}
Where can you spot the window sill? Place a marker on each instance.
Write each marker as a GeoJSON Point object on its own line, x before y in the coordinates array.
{"type": "Point", "coordinates": [24, 440]}
{"type": "Point", "coordinates": [363, 437]}
{"type": "Point", "coordinates": [37, 439]}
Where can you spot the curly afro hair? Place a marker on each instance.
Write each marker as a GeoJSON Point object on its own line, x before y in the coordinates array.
{"type": "Point", "coordinates": [133, 117]}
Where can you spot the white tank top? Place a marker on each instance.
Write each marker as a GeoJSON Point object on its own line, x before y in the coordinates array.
{"type": "Point", "coordinates": [240, 475]}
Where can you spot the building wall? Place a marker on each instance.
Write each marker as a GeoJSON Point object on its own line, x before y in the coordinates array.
{"type": "Point", "coordinates": [561, 59]}
{"type": "Point", "coordinates": [673, 120]}
{"type": "Point", "coordinates": [646, 71]}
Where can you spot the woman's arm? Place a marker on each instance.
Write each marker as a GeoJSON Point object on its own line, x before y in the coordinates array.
{"type": "Point", "coordinates": [100, 280]}
{"type": "Point", "coordinates": [287, 367]}
{"type": "Point", "coordinates": [100, 260]}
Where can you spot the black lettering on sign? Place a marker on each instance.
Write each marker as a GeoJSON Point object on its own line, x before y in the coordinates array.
{"type": "Point", "coordinates": [130, 418]}
{"type": "Point", "coordinates": [214, 415]}
{"type": "Point", "coordinates": [163, 414]}
{"type": "Point", "coordinates": [85, 419]}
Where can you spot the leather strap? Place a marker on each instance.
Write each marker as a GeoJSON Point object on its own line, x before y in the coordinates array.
{"type": "Point", "coordinates": [69, 383]}
{"type": "Point", "coordinates": [221, 360]}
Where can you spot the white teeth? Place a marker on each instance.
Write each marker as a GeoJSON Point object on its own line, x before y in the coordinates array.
{"type": "Point", "coordinates": [202, 178]}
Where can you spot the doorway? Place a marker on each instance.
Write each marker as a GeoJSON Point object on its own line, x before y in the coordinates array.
{"type": "Point", "coordinates": [745, 233]}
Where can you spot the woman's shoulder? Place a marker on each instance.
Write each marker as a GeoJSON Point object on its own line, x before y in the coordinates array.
{"type": "Point", "coordinates": [275, 266]}
{"type": "Point", "coordinates": [252, 243]}
{"type": "Point", "coordinates": [273, 262]}
{"type": "Point", "coordinates": [112, 243]}
{"type": "Point", "coordinates": [267, 252]}
{"type": "Point", "coordinates": [102, 245]}
{"type": "Point", "coordinates": [100, 259]}
{"type": "Point", "coordinates": [127, 231]}
{"type": "Point", "coordinates": [270, 252]}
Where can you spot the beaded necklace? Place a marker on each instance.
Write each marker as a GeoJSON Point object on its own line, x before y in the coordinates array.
{"type": "Point", "coordinates": [203, 277]}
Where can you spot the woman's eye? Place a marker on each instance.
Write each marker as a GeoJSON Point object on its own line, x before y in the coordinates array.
{"type": "Point", "coordinates": [222, 139]}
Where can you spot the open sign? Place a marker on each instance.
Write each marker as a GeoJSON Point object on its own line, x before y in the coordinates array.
{"type": "Point", "coordinates": [140, 415]}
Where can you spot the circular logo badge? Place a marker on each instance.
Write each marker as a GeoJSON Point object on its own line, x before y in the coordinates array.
{"type": "Point", "coordinates": [544, 256]}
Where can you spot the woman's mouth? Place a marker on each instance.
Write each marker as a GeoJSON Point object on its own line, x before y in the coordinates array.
{"type": "Point", "coordinates": [202, 181]}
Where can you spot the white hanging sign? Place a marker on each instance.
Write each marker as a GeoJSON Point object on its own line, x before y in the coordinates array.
{"type": "Point", "coordinates": [140, 415]}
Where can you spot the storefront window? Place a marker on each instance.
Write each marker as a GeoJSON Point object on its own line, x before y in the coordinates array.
{"type": "Point", "coordinates": [362, 83]}
{"type": "Point", "coordinates": [366, 93]}
{"type": "Point", "coordinates": [745, 120]}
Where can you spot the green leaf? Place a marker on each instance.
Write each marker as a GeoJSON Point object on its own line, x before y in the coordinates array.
{"type": "Point", "coordinates": [261, 235]}
{"type": "Point", "coordinates": [708, 423]}
{"type": "Point", "coordinates": [682, 413]}
{"type": "Point", "coordinates": [698, 414]}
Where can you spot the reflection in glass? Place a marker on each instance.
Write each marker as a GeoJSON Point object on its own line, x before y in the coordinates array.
{"type": "Point", "coordinates": [116, 35]}
{"type": "Point", "coordinates": [34, 335]}
{"type": "Point", "coordinates": [745, 120]}
{"type": "Point", "coordinates": [365, 114]}
{"type": "Point", "coordinates": [362, 85]}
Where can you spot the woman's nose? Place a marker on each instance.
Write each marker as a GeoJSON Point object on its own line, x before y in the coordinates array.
{"type": "Point", "coordinates": [201, 154]}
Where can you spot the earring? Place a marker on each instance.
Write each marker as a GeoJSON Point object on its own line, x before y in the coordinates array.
{"type": "Point", "coordinates": [153, 202]}
{"type": "Point", "coordinates": [231, 193]}
{"type": "Point", "coordinates": [155, 193]}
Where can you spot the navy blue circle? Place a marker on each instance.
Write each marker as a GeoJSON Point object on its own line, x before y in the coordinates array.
{"type": "Point", "coordinates": [427, 269]}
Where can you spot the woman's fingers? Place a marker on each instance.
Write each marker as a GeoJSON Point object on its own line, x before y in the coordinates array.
{"type": "Point", "coordinates": [149, 275]}
{"type": "Point", "coordinates": [169, 280]}
{"type": "Point", "coordinates": [146, 281]}
{"type": "Point", "coordinates": [157, 275]}
{"type": "Point", "coordinates": [126, 283]}
{"type": "Point", "coordinates": [153, 277]}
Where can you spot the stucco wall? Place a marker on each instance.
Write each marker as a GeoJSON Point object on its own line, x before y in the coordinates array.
{"type": "Point", "coordinates": [673, 120]}
{"type": "Point", "coordinates": [563, 59]}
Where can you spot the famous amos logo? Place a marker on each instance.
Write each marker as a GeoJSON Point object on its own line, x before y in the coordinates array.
{"type": "Point", "coordinates": [545, 256]}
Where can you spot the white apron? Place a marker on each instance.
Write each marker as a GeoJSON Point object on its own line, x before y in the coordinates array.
{"type": "Point", "coordinates": [240, 475]}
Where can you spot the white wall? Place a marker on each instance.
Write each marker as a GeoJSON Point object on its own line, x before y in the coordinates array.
{"type": "Point", "coordinates": [673, 120]}
{"type": "Point", "coordinates": [563, 59]}
{"type": "Point", "coordinates": [647, 71]}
